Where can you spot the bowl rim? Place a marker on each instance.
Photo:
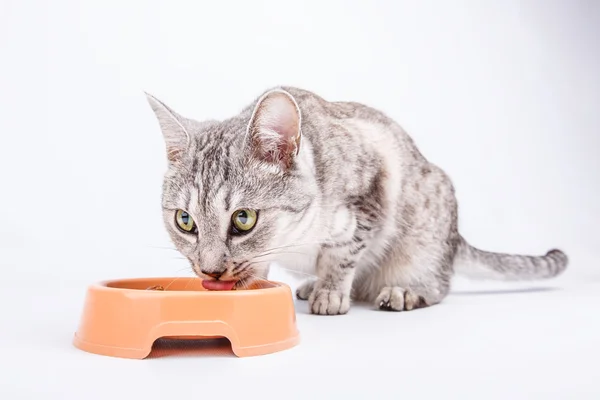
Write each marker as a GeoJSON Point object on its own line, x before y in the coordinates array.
{"type": "Point", "coordinates": [103, 286]}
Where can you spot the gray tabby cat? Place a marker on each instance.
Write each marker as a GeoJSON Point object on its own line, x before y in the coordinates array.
{"type": "Point", "coordinates": [336, 190]}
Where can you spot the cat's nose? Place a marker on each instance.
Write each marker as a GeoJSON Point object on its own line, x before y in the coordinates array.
{"type": "Point", "coordinates": [213, 274]}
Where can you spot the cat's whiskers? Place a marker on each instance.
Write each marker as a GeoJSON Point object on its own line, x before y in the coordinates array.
{"type": "Point", "coordinates": [318, 243]}
{"type": "Point", "coordinates": [314, 243]}
{"type": "Point", "coordinates": [293, 271]}
{"type": "Point", "coordinates": [279, 252]}
{"type": "Point", "coordinates": [255, 261]}
{"type": "Point", "coordinates": [245, 282]}
{"type": "Point", "coordinates": [179, 277]}
{"type": "Point", "coordinates": [162, 248]}
{"type": "Point", "coordinates": [187, 284]}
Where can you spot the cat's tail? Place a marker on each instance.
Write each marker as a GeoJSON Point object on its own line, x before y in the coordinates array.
{"type": "Point", "coordinates": [479, 264]}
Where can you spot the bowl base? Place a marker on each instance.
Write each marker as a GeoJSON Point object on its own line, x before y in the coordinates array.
{"type": "Point", "coordinates": [142, 353]}
{"type": "Point", "coordinates": [122, 318]}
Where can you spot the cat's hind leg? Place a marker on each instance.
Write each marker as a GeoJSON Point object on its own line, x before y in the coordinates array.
{"type": "Point", "coordinates": [408, 286]}
{"type": "Point", "coordinates": [417, 270]}
{"type": "Point", "coordinates": [403, 283]}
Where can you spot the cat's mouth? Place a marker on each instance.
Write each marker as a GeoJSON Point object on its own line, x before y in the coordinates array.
{"type": "Point", "coordinates": [241, 279]}
{"type": "Point", "coordinates": [219, 284]}
{"type": "Point", "coordinates": [213, 284]}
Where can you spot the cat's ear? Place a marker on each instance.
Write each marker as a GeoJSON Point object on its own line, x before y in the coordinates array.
{"type": "Point", "coordinates": [274, 130]}
{"type": "Point", "coordinates": [172, 126]}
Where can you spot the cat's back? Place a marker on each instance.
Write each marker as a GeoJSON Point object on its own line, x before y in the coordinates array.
{"type": "Point", "coordinates": [314, 106]}
{"type": "Point", "coordinates": [341, 118]}
{"type": "Point", "coordinates": [353, 145]}
{"type": "Point", "coordinates": [353, 127]}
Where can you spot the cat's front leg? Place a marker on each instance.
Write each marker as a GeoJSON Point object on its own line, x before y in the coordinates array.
{"type": "Point", "coordinates": [331, 292]}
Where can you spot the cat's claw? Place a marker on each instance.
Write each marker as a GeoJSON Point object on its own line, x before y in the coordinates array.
{"type": "Point", "coordinates": [329, 302]}
{"type": "Point", "coordinates": [395, 298]}
{"type": "Point", "coordinates": [303, 292]}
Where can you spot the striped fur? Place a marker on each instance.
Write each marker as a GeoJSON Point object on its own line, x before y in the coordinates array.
{"type": "Point", "coordinates": [342, 193]}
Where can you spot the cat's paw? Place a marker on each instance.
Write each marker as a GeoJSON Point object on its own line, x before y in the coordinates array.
{"type": "Point", "coordinates": [329, 302]}
{"type": "Point", "coordinates": [394, 298]}
{"type": "Point", "coordinates": [303, 292]}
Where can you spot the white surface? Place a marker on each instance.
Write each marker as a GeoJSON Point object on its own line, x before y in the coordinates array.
{"type": "Point", "coordinates": [503, 95]}
{"type": "Point", "coordinates": [476, 345]}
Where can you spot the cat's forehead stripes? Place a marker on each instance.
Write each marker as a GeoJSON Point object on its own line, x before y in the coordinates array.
{"type": "Point", "coordinates": [212, 166]}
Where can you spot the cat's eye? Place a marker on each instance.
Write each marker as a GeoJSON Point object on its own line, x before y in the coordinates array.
{"type": "Point", "coordinates": [242, 221]}
{"type": "Point", "coordinates": [184, 222]}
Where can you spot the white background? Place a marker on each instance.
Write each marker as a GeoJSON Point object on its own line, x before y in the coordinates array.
{"type": "Point", "coordinates": [505, 96]}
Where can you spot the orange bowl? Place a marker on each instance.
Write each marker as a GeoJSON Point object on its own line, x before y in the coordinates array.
{"type": "Point", "coordinates": [123, 318]}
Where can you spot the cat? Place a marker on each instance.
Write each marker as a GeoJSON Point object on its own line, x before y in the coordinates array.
{"type": "Point", "coordinates": [335, 190]}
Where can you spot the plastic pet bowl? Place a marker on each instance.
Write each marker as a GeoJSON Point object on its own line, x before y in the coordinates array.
{"type": "Point", "coordinates": [123, 318]}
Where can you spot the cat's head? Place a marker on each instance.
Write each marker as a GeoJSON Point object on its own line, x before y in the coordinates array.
{"type": "Point", "coordinates": [236, 193]}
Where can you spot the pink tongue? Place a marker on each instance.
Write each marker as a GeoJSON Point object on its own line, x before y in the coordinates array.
{"type": "Point", "coordinates": [218, 285]}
